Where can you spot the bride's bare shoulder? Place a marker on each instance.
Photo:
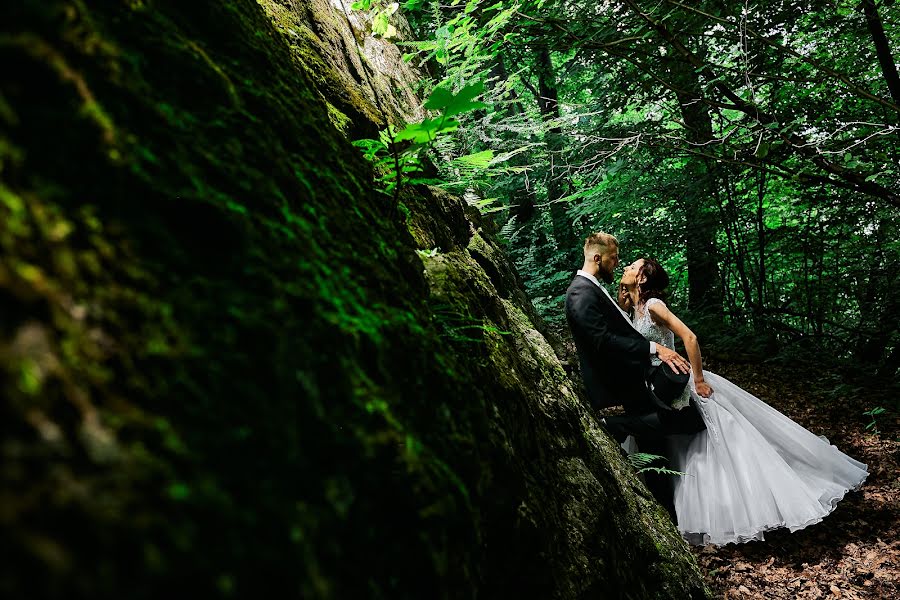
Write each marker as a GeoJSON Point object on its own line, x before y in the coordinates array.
{"type": "Point", "coordinates": [658, 310]}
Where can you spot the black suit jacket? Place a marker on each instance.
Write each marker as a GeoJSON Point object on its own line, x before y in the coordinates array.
{"type": "Point", "coordinates": [614, 357]}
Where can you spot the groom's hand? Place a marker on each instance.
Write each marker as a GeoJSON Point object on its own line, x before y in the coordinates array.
{"type": "Point", "coordinates": [673, 359]}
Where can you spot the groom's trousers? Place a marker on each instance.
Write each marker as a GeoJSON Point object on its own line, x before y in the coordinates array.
{"type": "Point", "coordinates": [650, 431]}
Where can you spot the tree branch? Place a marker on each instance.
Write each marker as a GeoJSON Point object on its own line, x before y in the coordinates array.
{"type": "Point", "coordinates": [858, 89]}
{"type": "Point", "coordinates": [767, 120]}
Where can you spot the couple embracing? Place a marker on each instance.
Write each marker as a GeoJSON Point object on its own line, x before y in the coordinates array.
{"type": "Point", "coordinates": [747, 467]}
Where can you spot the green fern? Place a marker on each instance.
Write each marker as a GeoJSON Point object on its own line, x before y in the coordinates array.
{"type": "Point", "coordinates": [642, 461]}
{"type": "Point", "coordinates": [459, 325]}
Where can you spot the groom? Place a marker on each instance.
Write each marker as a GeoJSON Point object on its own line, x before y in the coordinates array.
{"type": "Point", "coordinates": [614, 357]}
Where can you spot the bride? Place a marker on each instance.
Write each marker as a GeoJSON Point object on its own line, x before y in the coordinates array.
{"type": "Point", "coordinates": [752, 469]}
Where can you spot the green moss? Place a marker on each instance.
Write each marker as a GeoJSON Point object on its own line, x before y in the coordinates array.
{"type": "Point", "coordinates": [30, 378]}
{"type": "Point", "coordinates": [8, 116]}
{"type": "Point", "coordinates": [40, 50]}
{"type": "Point", "coordinates": [342, 98]}
{"type": "Point", "coordinates": [340, 121]}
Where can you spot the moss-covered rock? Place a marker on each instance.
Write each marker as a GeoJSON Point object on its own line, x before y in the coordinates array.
{"type": "Point", "coordinates": [226, 370]}
{"type": "Point", "coordinates": [363, 79]}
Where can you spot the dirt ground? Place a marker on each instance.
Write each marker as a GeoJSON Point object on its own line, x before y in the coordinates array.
{"type": "Point", "coordinates": [855, 551]}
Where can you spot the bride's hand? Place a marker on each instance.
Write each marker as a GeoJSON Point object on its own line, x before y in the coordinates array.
{"type": "Point", "coordinates": [624, 299]}
{"type": "Point", "coordinates": [703, 389]}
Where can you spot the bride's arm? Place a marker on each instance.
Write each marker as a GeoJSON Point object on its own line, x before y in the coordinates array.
{"type": "Point", "coordinates": [663, 316]}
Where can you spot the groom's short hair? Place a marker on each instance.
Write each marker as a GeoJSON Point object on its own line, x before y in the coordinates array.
{"type": "Point", "coordinates": [599, 243]}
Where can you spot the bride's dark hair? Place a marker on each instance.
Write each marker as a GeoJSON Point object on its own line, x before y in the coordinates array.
{"type": "Point", "coordinates": [657, 280]}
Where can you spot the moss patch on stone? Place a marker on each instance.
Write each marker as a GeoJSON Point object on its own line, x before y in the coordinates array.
{"type": "Point", "coordinates": [347, 105]}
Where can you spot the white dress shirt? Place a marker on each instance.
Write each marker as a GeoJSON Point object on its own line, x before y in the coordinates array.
{"type": "Point", "coordinates": [594, 280]}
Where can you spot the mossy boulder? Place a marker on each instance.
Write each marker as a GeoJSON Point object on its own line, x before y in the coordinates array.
{"type": "Point", "coordinates": [363, 79]}
{"type": "Point", "coordinates": [232, 369]}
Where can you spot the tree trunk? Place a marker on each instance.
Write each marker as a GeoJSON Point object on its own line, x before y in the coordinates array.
{"type": "Point", "coordinates": [882, 49]}
{"type": "Point", "coordinates": [522, 197]}
{"type": "Point", "coordinates": [761, 239]}
{"type": "Point", "coordinates": [557, 177]}
{"type": "Point", "coordinates": [698, 204]}
{"type": "Point", "coordinates": [730, 221]}
{"type": "Point", "coordinates": [878, 305]}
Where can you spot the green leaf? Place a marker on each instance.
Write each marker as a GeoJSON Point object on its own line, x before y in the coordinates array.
{"type": "Point", "coordinates": [370, 148]}
{"type": "Point", "coordinates": [416, 133]}
{"type": "Point", "coordinates": [439, 98]}
{"type": "Point", "coordinates": [179, 491]}
{"type": "Point", "coordinates": [642, 459]}
{"type": "Point", "coordinates": [463, 101]}
{"type": "Point", "coordinates": [478, 160]}
{"type": "Point", "coordinates": [427, 130]}
{"type": "Point", "coordinates": [451, 104]}
{"type": "Point", "coordinates": [380, 24]}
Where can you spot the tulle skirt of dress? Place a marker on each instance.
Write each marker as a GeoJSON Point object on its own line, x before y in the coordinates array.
{"type": "Point", "coordinates": [753, 470]}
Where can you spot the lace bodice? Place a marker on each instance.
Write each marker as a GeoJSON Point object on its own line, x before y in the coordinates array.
{"type": "Point", "coordinates": [662, 335]}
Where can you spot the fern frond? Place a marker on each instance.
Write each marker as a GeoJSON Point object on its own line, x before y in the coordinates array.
{"type": "Point", "coordinates": [662, 471]}
{"type": "Point", "coordinates": [640, 460]}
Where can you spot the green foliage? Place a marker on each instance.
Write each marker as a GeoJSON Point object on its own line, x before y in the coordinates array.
{"type": "Point", "coordinates": [873, 424]}
{"type": "Point", "coordinates": [464, 45]}
{"type": "Point", "coordinates": [400, 156]}
{"type": "Point", "coordinates": [642, 461]}
{"type": "Point", "coordinates": [449, 104]}
{"type": "Point", "coordinates": [738, 158]}
{"type": "Point", "coordinates": [380, 12]}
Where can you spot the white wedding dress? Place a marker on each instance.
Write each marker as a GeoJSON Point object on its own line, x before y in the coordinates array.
{"type": "Point", "coordinates": [753, 469]}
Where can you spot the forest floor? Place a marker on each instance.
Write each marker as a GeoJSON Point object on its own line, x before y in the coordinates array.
{"type": "Point", "coordinates": [855, 551]}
